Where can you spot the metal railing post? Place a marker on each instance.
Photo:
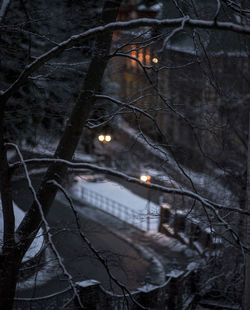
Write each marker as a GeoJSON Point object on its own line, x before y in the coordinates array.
{"type": "Point", "coordinates": [113, 207]}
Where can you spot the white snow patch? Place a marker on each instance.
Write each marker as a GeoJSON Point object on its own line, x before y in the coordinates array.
{"type": "Point", "coordinates": [155, 7]}
{"type": "Point", "coordinates": [169, 229]}
{"type": "Point", "coordinates": [198, 247]}
{"type": "Point", "coordinates": [142, 7]}
{"type": "Point", "coordinates": [169, 242]}
{"type": "Point", "coordinates": [43, 275]}
{"type": "Point", "coordinates": [48, 149]}
{"type": "Point", "coordinates": [87, 283]}
{"type": "Point", "coordinates": [201, 181]}
{"type": "Point", "coordinates": [85, 157]}
{"type": "Point", "coordinates": [118, 201]}
{"type": "Point", "coordinates": [192, 266]}
{"type": "Point", "coordinates": [175, 273]}
{"type": "Point", "coordinates": [147, 288]}
{"type": "Point", "coordinates": [36, 245]}
{"type": "Point", "coordinates": [44, 147]}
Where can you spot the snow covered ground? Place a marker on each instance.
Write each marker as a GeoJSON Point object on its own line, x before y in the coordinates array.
{"type": "Point", "coordinates": [212, 184]}
{"type": "Point", "coordinates": [118, 201]}
{"type": "Point", "coordinates": [47, 149]}
{"type": "Point", "coordinates": [38, 241]}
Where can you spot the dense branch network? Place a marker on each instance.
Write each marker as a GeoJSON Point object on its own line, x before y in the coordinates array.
{"type": "Point", "coordinates": [46, 224]}
{"type": "Point", "coordinates": [113, 26]}
{"type": "Point", "coordinates": [110, 171]}
{"type": "Point", "coordinates": [175, 25]}
{"type": "Point", "coordinates": [92, 248]}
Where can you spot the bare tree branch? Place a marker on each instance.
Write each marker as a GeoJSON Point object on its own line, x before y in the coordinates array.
{"type": "Point", "coordinates": [46, 224]}
{"type": "Point", "coordinates": [110, 171]}
{"type": "Point", "coordinates": [91, 247]}
{"type": "Point", "coordinates": [143, 22]}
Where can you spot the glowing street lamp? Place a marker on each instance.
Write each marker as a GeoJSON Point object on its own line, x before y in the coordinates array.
{"type": "Point", "coordinates": [155, 60]}
{"type": "Point", "coordinates": [101, 138]}
{"type": "Point", "coordinates": [145, 178]}
{"type": "Point", "coordinates": [104, 139]}
{"type": "Point", "coordinates": [107, 138]}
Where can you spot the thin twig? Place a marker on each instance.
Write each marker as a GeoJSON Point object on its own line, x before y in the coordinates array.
{"type": "Point", "coordinates": [45, 222]}
{"type": "Point", "coordinates": [91, 247]}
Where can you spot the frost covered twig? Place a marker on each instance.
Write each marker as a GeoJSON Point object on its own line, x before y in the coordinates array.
{"type": "Point", "coordinates": [217, 10]}
{"type": "Point", "coordinates": [129, 106]}
{"type": "Point", "coordinates": [45, 222]}
{"type": "Point", "coordinates": [205, 202]}
{"type": "Point", "coordinates": [142, 22]}
{"type": "Point", "coordinates": [110, 171]}
{"type": "Point", "coordinates": [91, 247]}
{"type": "Point", "coordinates": [174, 32]}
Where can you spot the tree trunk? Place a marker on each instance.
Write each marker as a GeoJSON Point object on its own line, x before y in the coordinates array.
{"type": "Point", "coordinates": [10, 262]}
{"type": "Point", "coordinates": [246, 295]}
{"type": "Point", "coordinates": [9, 269]}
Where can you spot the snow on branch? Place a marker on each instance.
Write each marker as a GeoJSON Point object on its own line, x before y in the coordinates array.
{"type": "Point", "coordinates": [91, 247]}
{"type": "Point", "coordinates": [205, 202]}
{"type": "Point", "coordinates": [129, 106]}
{"type": "Point", "coordinates": [217, 10]}
{"type": "Point", "coordinates": [45, 222]}
{"type": "Point", "coordinates": [110, 171]}
{"type": "Point", "coordinates": [120, 25]}
{"type": "Point", "coordinates": [174, 32]}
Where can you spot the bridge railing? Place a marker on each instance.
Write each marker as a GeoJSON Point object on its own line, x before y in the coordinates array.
{"type": "Point", "coordinates": [115, 208]}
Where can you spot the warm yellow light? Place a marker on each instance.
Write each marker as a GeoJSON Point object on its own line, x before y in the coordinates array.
{"type": "Point", "coordinates": [145, 178]}
{"type": "Point", "coordinates": [140, 56]}
{"type": "Point", "coordinates": [155, 60]}
{"type": "Point", "coordinates": [108, 138]}
{"type": "Point", "coordinates": [101, 138]}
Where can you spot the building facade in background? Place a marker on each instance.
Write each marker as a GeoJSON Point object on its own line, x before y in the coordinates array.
{"type": "Point", "coordinates": [190, 86]}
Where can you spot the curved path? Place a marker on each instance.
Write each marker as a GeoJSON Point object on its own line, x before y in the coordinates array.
{"type": "Point", "coordinates": [124, 260]}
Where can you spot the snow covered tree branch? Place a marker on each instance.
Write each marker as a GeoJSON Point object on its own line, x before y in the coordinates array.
{"type": "Point", "coordinates": [164, 88]}
{"type": "Point", "coordinates": [143, 22]}
{"type": "Point", "coordinates": [110, 171]}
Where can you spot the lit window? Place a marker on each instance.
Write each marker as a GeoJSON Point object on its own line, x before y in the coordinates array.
{"type": "Point", "coordinates": [140, 56]}
{"type": "Point", "coordinates": [133, 54]}
{"type": "Point", "coordinates": [147, 58]}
